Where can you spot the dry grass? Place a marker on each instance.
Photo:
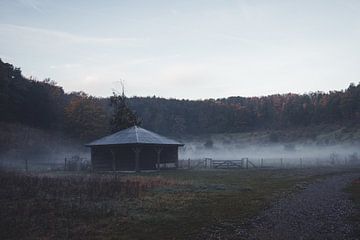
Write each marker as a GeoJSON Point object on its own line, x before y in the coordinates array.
{"type": "Point", "coordinates": [165, 205]}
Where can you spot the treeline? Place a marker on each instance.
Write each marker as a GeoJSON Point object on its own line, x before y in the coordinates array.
{"type": "Point", "coordinates": [237, 114]}
{"type": "Point", "coordinates": [44, 105]}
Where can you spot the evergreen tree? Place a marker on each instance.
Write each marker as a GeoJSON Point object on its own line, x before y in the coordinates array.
{"type": "Point", "coordinates": [122, 116]}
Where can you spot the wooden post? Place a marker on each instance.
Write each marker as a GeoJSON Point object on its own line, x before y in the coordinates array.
{"type": "Point", "coordinates": [176, 156]}
{"type": "Point", "coordinates": [301, 163]}
{"type": "Point", "coordinates": [158, 152]}
{"type": "Point", "coordinates": [113, 159]}
{"type": "Point", "coordinates": [247, 163]}
{"type": "Point", "coordinates": [65, 162]}
{"type": "Point", "coordinates": [281, 162]}
{"type": "Point", "coordinates": [261, 162]}
{"type": "Point", "coordinates": [189, 163]}
{"type": "Point", "coordinates": [137, 158]}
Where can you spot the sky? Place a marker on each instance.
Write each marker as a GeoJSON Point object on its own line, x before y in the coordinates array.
{"type": "Point", "coordinates": [192, 49]}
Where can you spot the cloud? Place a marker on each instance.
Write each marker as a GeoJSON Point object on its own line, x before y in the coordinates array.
{"type": "Point", "coordinates": [33, 4]}
{"type": "Point", "coordinates": [149, 60]}
{"type": "Point", "coordinates": [68, 37]}
{"type": "Point", "coordinates": [66, 65]}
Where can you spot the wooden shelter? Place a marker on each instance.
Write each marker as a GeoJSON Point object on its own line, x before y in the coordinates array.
{"type": "Point", "coordinates": [133, 149]}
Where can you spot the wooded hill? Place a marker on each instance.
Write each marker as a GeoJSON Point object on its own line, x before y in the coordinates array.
{"type": "Point", "coordinates": [45, 105]}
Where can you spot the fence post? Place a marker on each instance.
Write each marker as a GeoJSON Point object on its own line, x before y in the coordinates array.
{"type": "Point", "coordinates": [301, 163]}
{"type": "Point", "coordinates": [261, 163]}
{"type": "Point", "coordinates": [281, 162]}
{"type": "Point", "coordinates": [188, 163]}
{"type": "Point", "coordinates": [65, 164]}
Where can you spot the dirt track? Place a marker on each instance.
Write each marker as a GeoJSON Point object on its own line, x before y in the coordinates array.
{"type": "Point", "coordinates": [320, 211]}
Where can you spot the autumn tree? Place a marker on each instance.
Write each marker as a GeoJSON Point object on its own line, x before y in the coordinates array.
{"type": "Point", "coordinates": [85, 118]}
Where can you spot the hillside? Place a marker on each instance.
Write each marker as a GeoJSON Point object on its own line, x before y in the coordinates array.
{"type": "Point", "coordinates": [44, 105]}
{"type": "Point", "coordinates": [238, 114]}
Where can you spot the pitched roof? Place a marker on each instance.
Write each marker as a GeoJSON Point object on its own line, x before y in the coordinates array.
{"type": "Point", "coordinates": [134, 135]}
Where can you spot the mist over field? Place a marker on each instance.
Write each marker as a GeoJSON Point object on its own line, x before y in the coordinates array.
{"type": "Point", "coordinates": [331, 146]}
{"type": "Point", "coordinates": [43, 149]}
{"type": "Point", "coordinates": [230, 151]}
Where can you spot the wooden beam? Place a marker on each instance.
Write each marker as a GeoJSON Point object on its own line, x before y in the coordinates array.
{"type": "Point", "coordinates": [177, 158]}
{"type": "Point", "coordinates": [137, 151]}
{"type": "Point", "coordinates": [113, 159]}
{"type": "Point", "coordinates": [113, 162]}
{"type": "Point", "coordinates": [158, 152]}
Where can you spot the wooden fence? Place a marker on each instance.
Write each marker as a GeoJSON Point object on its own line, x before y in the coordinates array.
{"type": "Point", "coordinates": [246, 163]}
{"type": "Point", "coordinates": [76, 163]}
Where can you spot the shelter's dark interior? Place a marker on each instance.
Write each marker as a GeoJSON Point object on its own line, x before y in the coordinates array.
{"type": "Point", "coordinates": [122, 157]}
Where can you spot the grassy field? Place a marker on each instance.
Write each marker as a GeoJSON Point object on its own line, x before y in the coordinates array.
{"type": "Point", "coordinates": [166, 205]}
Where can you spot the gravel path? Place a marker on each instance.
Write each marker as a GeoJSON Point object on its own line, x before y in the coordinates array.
{"type": "Point", "coordinates": [320, 211]}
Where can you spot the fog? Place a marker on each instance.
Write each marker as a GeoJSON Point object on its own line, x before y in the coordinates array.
{"type": "Point", "coordinates": [43, 157]}
{"type": "Point", "coordinates": [43, 161]}
{"type": "Point", "coordinates": [233, 151]}
{"type": "Point", "coordinates": [48, 151]}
